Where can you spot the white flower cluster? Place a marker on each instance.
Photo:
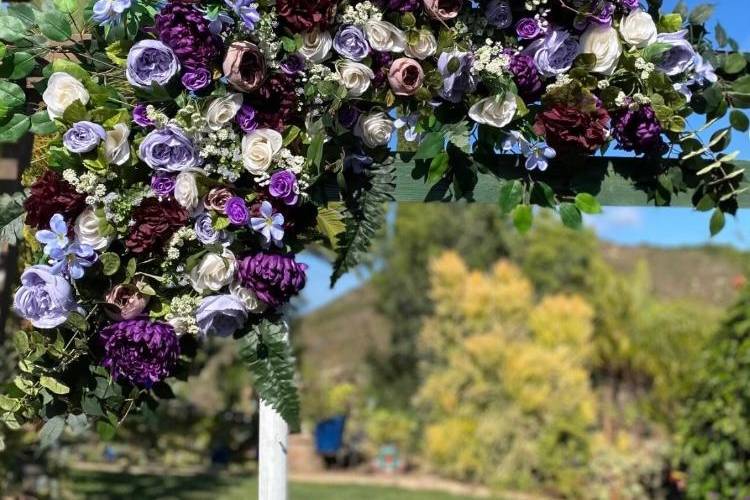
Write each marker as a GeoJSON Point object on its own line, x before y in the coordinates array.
{"type": "Point", "coordinates": [360, 13]}
{"type": "Point", "coordinates": [561, 80]}
{"type": "Point", "coordinates": [490, 58]}
{"type": "Point", "coordinates": [268, 41]}
{"type": "Point", "coordinates": [88, 183]}
{"type": "Point", "coordinates": [646, 68]}
{"type": "Point", "coordinates": [160, 119]}
{"type": "Point", "coordinates": [534, 4]}
{"type": "Point", "coordinates": [181, 316]}
{"type": "Point", "coordinates": [221, 152]}
{"type": "Point", "coordinates": [289, 161]}
{"type": "Point", "coordinates": [177, 241]}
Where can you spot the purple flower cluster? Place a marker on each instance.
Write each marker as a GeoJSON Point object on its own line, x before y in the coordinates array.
{"type": "Point", "coordinates": [638, 130]}
{"type": "Point", "coordinates": [274, 278]}
{"type": "Point", "coordinates": [186, 31]}
{"type": "Point", "coordinates": [526, 76]}
{"type": "Point", "coordinates": [139, 351]}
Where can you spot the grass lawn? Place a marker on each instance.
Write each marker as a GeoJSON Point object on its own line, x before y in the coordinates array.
{"type": "Point", "coordinates": [102, 485]}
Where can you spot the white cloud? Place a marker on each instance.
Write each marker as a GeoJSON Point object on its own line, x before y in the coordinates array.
{"type": "Point", "coordinates": [614, 218]}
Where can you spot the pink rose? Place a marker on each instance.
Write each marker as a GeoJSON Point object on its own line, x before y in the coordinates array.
{"type": "Point", "coordinates": [405, 76]}
{"type": "Point", "coordinates": [217, 199]}
{"type": "Point", "coordinates": [124, 302]}
{"type": "Point", "coordinates": [244, 66]}
{"type": "Point", "coordinates": [442, 10]}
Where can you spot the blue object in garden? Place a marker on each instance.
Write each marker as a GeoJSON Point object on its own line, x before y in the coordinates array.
{"type": "Point", "coordinates": [329, 435]}
{"type": "Point", "coordinates": [388, 459]}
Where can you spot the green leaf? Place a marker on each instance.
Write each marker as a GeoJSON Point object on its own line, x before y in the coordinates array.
{"type": "Point", "coordinates": [117, 52]}
{"type": "Point", "coordinates": [130, 269]}
{"type": "Point", "coordinates": [55, 25]}
{"type": "Point", "coordinates": [587, 204]}
{"type": "Point", "coordinates": [77, 424]}
{"type": "Point", "coordinates": [570, 215]}
{"type": "Point", "coordinates": [705, 204]}
{"type": "Point", "coordinates": [77, 321]}
{"type": "Point", "coordinates": [11, 29]}
{"type": "Point", "coordinates": [734, 63]}
{"type": "Point", "coordinates": [11, 97]}
{"type": "Point", "coordinates": [511, 194]}
{"type": "Point", "coordinates": [458, 135]}
{"type": "Point", "coordinates": [267, 352]}
{"type": "Point", "coordinates": [51, 431]}
{"type": "Point", "coordinates": [41, 124]}
{"type": "Point", "coordinates": [742, 85]}
{"type": "Point", "coordinates": [110, 263]}
{"type": "Point", "coordinates": [331, 224]}
{"type": "Point", "coordinates": [669, 23]}
{"type": "Point", "coordinates": [17, 66]}
{"type": "Point", "coordinates": [438, 167]}
{"type": "Point", "coordinates": [721, 35]}
{"type": "Point", "coordinates": [739, 120]}
{"type": "Point", "coordinates": [9, 404]}
{"type": "Point", "coordinates": [53, 385]}
{"type": "Point", "coordinates": [3, 50]}
{"type": "Point", "coordinates": [432, 144]}
{"type": "Point", "coordinates": [65, 66]}
{"type": "Point", "coordinates": [12, 130]}
{"type": "Point", "coordinates": [21, 341]}
{"type": "Point", "coordinates": [523, 217]}
{"type": "Point", "coordinates": [717, 222]}
{"type": "Point", "coordinates": [654, 51]}
{"type": "Point", "coordinates": [701, 13]}
{"type": "Point", "coordinates": [68, 6]}
{"type": "Point", "coordinates": [75, 112]}
{"type": "Point", "coordinates": [105, 430]}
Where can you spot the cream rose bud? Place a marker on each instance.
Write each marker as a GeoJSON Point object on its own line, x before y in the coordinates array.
{"type": "Point", "coordinates": [604, 43]}
{"type": "Point", "coordinates": [494, 111]}
{"type": "Point", "coordinates": [62, 91]}
{"type": "Point", "coordinates": [384, 36]}
{"type": "Point", "coordinates": [89, 232]}
{"type": "Point", "coordinates": [374, 129]}
{"type": "Point", "coordinates": [316, 46]}
{"type": "Point", "coordinates": [213, 272]}
{"type": "Point", "coordinates": [423, 46]}
{"type": "Point", "coordinates": [186, 191]}
{"type": "Point", "coordinates": [354, 76]}
{"type": "Point", "coordinates": [247, 297]}
{"type": "Point", "coordinates": [116, 145]}
{"type": "Point", "coordinates": [222, 110]}
{"type": "Point", "coordinates": [638, 29]}
{"type": "Point", "coordinates": [258, 149]}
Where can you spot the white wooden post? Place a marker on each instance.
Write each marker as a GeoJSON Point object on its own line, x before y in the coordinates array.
{"type": "Point", "coordinates": [272, 447]}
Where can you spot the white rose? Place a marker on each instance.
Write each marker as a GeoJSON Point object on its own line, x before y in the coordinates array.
{"type": "Point", "coordinates": [384, 36]}
{"type": "Point", "coordinates": [186, 191]}
{"type": "Point", "coordinates": [222, 110]}
{"type": "Point", "coordinates": [213, 272]}
{"type": "Point", "coordinates": [424, 47]}
{"type": "Point", "coordinates": [258, 149]}
{"type": "Point", "coordinates": [374, 129]}
{"type": "Point", "coordinates": [638, 29]}
{"type": "Point", "coordinates": [354, 76]}
{"type": "Point", "coordinates": [316, 45]}
{"type": "Point", "coordinates": [247, 297]}
{"type": "Point", "coordinates": [62, 91]}
{"type": "Point", "coordinates": [493, 111]}
{"type": "Point", "coordinates": [180, 325]}
{"type": "Point", "coordinates": [604, 43]}
{"type": "Point", "coordinates": [88, 232]}
{"type": "Point", "coordinates": [116, 145]}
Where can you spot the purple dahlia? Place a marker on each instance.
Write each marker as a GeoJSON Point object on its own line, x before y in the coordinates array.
{"type": "Point", "coordinates": [526, 77]}
{"type": "Point", "coordinates": [638, 130]}
{"type": "Point", "coordinates": [139, 351]}
{"type": "Point", "coordinates": [274, 278]}
{"type": "Point", "coordinates": [186, 31]}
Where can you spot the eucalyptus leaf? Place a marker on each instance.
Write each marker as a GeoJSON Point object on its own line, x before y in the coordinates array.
{"type": "Point", "coordinates": [55, 25]}
{"type": "Point", "coordinates": [51, 431]}
{"type": "Point", "coordinates": [14, 128]}
{"type": "Point", "coordinates": [11, 29]}
{"type": "Point", "coordinates": [739, 120]}
{"type": "Point", "coordinates": [11, 97]}
{"type": "Point", "coordinates": [587, 204]}
{"type": "Point", "coordinates": [717, 222]}
{"type": "Point", "coordinates": [570, 215]}
{"type": "Point", "coordinates": [53, 385]}
{"type": "Point", "coordinates": [523, 218]}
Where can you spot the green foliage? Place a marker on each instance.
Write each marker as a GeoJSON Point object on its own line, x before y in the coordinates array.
{"type": "Point", "coordinates": [713, 436]}
{"type": "Point", "coordinates": [266, 351]}
{"type": "Point", "coordinates": [11, 217]}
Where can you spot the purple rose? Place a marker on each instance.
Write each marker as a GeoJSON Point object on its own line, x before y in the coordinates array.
{"type": "Point", "coordinates": [351, 43]}
{"type": "Point", "coordinates": [151, 62]}
{"type": "Point", "coordinates": [284, 187]}
{"type": "Point", "coordinates": [162, 184]}
{"type": "Point", "coordinates": [274, 278]}
{"type": "Point", "coordinates": [679, 59]}
{"type": "Point", "coordinates": [139, 352]}
{"type": "Point", "coordinates": [553, 54]}
{"type": "Point", "coordinates": [140, 116]}
{"type": "Point", "coordinates": [603, 12]}
{"type": "Point", "coordinates": [528, 28]}
{"type": "Point", "coordinates": [498, 14]}
{"type": "Point", "coordinates": [630, 4]}
{"type": "Point", "coordinates": [196, 79]}
{"type": "Point", "coordinates": [526, 77]}
{"type": "Point", "coordinates": [455, 67]}
{"type": "Point", "coordinates": [44, 298]}
{"type": "Point", "coordinates": [294, 64]}
{"type": "Point", "coordinates": [220, 315]}
{"type": "Point", "coordinates": [168, 150]}
{"type": "Point", "coordinates": [83, 137]}
{"type": "Point", "coordinates": [245, 118]}
{"type": "Point", "coordinates": [237, 211]}
{"type": "Point", "coordinates": [638, 130]}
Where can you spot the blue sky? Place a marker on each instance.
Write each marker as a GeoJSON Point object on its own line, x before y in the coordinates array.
{"type": "Point", "coordinates": [667, 227]}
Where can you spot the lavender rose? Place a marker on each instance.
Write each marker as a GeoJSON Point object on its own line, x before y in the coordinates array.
{"type": "Point", "coordinates": [236, 211]}
{"type": "Point", "coordinates": [284, 187]}
{"type": "Point", "coordinates": [151, 62]}
{"type": "Point", "coordinates": [45, 299]}
{"type": "Point", "coordinates": [553, 54]}
{"type": "Point", "coordinates": [273, 278]}
{"type": "Point", "coordinates": [220, 315]}
{"type": "Point", "coordinates": [83, 136]}
{"type": "Point", "coordinates": [244, 66]}
{"type": "Point", "coordinates": [680, 58]}
{"type": "Point", "coordinates": [168, 150]}
{"type": "Point", "coordinates": [205, 231]}
{"type": "Point", "coordinates": [455, 67]}
{"type": "Point", "coordinates": [350, 42]}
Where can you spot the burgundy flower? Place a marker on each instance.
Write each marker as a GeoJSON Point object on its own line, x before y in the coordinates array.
{"type": "Point", "coordinates": [526, 77]}
{"type": "Point", "coordinates": [155, 222]}
{"type": "Point", "coordinates": [274, 278]}
{"type": "Point", "coordinates": [571, 129]}
{"type": "Point", "coordinates": [638, 130]}
{"type": "Point", "coordinates": [276, 105]}
{"type": "Point", "coordinates": [304, 15]}
{"type": "Point", "coordinates": [50, 195]}
{"type": "Point", "coordinates": [182, 27]}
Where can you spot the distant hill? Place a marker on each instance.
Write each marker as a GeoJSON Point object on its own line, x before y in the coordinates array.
{"type": "Point", "coordinates": [336, 338]}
